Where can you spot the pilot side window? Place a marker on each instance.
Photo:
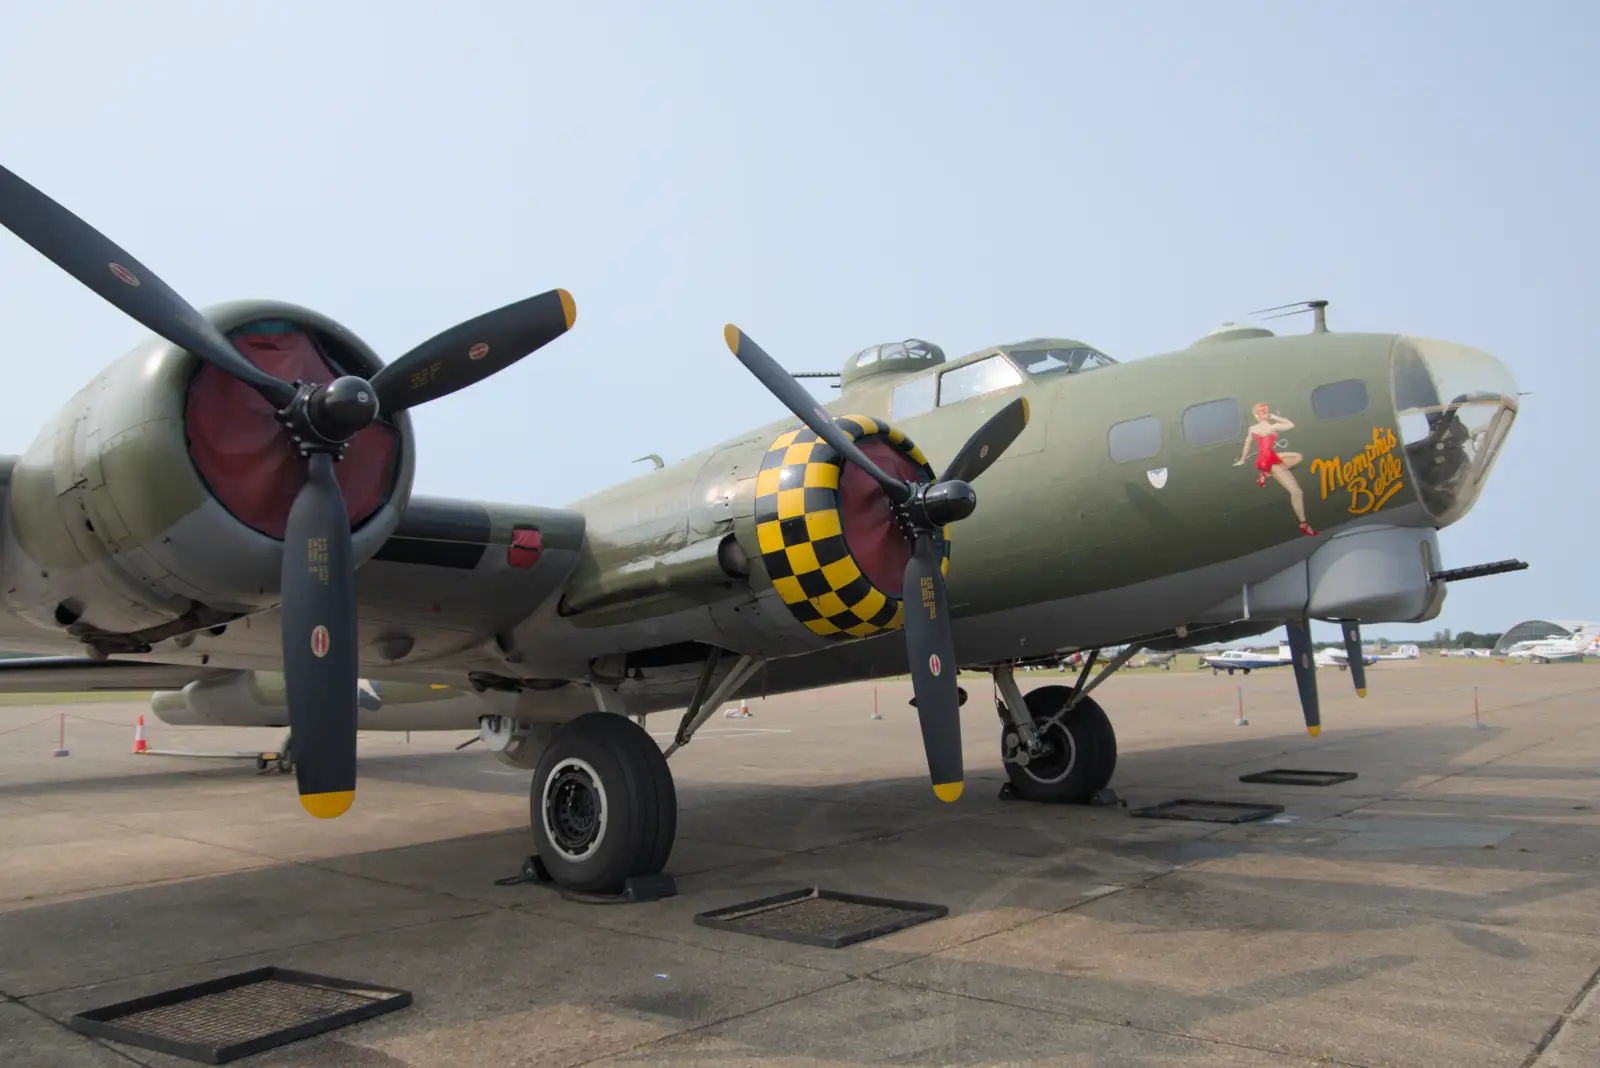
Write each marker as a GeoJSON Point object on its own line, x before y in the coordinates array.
{"type": "Point", "coordinates": [976, 379]}
{"type": "Point", "coordinates": [1212, 421]}
{"type": "Point", "coordinates": [1136, 439]}
{"type": "Point", "coordinates": [913, 397]}
{"type": "Point", "coordinates": [1336, 400]}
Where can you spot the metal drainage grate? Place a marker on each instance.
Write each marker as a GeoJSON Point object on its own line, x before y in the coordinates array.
{"type": "Point", "coordinates": [818, 917]}
{"type": "Point", "coordinates": [1298, 777]}
{"type": "Point", "coordinates": [1209, 811]}
{"type": "Point", "coordinates": [224, 1019]}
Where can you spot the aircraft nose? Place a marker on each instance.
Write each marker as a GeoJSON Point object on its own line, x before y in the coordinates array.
{"type": "Point", "coordinates": [1454, 405]}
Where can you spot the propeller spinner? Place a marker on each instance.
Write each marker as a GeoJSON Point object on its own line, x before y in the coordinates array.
{"type": "Point", "coordinates": [318, 580]}
{"type": "Point", "coordinates": [921, 510]}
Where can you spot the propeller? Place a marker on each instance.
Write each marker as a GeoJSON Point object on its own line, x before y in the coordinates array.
{"type": "Point", "coordinates": [1355, 657]}
{"type": "Point", "coordinates": [318, 578]}
{"type": "Point", "coordinates": [1305, 673]}
{"type": "Point", "coordinates": [921, 510]}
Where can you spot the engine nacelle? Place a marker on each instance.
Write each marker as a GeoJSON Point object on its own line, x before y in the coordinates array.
{"type": "Point", "coordinates": [825, 534]}
{"type": "Point", "coordinates": [155, 502]}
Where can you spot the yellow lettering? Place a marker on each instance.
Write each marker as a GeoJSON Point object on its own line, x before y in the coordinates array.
{"type": "Point", "coordinates": [1331, 474]}
{"type": "Point", "coordinates": [427, 375]}
{"type": "Point", "coordinates": [317, 558]}
{"type": "Point", "coordinates": [1372, 476]}
{"type": "Point", "coordinates": [1360, 497]}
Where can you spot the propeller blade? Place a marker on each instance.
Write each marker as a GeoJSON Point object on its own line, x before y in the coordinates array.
{"type": "Point", "coordinates": [1355, 657]}
{"type": "Point", "coordinates": [469, 352]}
{"type": "Point", "coordinates": [796, 398]}
{"type": "Point", "coordinates": [992, 438]}
{"type": "Point", "coordinates": [933, 667]}
{"type": "Point", "coordinates": [319, 642]}
{"type": "Point", "coordinates": [93, 259]}
{"type": "Point", "coordinates": [1305, 673]}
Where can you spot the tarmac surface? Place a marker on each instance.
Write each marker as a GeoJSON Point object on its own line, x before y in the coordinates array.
{"type": "Point", "coordinates": [1440, 910]}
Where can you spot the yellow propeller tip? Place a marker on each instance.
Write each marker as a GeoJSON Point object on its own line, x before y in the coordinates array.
{"type": "Point", "coordinates": [1314, 731]}
{"type": "Point", "coordinates": [569, 310]}
{"type": "Point", "coordinates": [327, 806]}
{"type": "Point", "coordinates": [1025, 411]}
{"type": "Point", "coordinates": [1361, 692]}
{"type": "Point", "coordinates": [730, 334]}
{"type": "Point", "coordinates": [947, 791]}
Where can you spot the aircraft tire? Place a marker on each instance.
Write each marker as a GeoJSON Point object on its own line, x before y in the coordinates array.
{"type": "Point", "coordinates": [1093, 744]}
{"type": "Point", "coordinates": [602, 804]}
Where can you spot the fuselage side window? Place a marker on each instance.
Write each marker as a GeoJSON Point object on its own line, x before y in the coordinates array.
{"type": "Point", "coordinates": [1136, 439]}
{"type": "Point", "coordinates": [976, 379]}
{"type": "Point", "coordinates": [913, 397]}
{"type": "Point", "coordinates": [1212, 421]}
{"type": "Point", "coordinates": [1338, 400]}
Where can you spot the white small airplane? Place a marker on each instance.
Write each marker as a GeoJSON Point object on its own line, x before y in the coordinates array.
{"type": "Point", "coordinates": [1553, 650]}
{"type": "Point", "coordinates": [1247, 660]}
{"type": "Point", "coordinates": [1334, 656]}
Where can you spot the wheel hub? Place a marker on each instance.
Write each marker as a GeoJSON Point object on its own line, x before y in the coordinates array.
{"type": "Point", "coordinates": [574, 809]}
{"type": "Point", "coordinates": [1058, 753]}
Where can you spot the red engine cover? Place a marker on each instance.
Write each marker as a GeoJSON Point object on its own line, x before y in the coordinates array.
{"type": "Point", "coordinates": [243, 452]}
{"type": "Point", "coordinates": [870, 532]}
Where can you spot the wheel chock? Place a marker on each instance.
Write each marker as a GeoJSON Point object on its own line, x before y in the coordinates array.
{"type": "Point", "coordinates": [636, 890]}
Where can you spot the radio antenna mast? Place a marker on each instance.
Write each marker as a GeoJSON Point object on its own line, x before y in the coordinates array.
{"type": "Point", "coordinates": [1319, 323]}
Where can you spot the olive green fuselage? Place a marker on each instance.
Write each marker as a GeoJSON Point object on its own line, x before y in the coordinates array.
{"type": "Point", "coordinates": [1122, 511]}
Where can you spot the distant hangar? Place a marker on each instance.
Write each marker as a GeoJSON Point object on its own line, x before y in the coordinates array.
{"type": "Point", "coordinates": [1533, 630]}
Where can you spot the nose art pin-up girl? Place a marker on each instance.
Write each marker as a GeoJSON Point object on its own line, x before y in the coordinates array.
{"type": "Point", "coordinates": [1274, 464]}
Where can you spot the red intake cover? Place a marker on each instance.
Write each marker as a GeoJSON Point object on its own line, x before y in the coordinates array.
{"type": "Point", "coordinates": [874, 539]}
{"type": "Point", "coordinates": [243, 452]}
{"type": "Point", "coordinates": [526, 545]}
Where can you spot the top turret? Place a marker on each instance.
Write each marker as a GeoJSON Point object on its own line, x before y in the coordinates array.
{"type": "Point", "coordinates": [896, 357]}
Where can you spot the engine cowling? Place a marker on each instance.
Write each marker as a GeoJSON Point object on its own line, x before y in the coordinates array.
{"type": "Point", "coordinates": [155, 502]}
{"type": "Point", "coordinates": [825, 531]}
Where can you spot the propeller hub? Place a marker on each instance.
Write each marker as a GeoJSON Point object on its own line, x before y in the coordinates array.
{"type": "Point", "coordinates": [343, 408]}
{"type": "Point", "coordinates": [942, 503]}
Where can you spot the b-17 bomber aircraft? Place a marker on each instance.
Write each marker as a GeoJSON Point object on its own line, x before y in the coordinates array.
{"type": "Point", "coordinates": [233, 498]}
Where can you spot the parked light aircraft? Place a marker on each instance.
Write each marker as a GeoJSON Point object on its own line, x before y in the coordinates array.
{"type": "Point", "coordinates": [1553, 650]}
{"type": "Point", "coordinates": [233, 498]}
{"type": "Point", "coordinates": [1247, 660]}
{"type": "Point", "coordinates": [1335, 656]}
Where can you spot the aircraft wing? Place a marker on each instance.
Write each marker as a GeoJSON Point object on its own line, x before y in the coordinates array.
{"type": "Point", "coordinates": [72, 674]}
{"type": "Point", "coordinates": [430, 601]}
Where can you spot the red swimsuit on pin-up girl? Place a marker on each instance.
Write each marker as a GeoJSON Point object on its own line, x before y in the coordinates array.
{"type": "Point", "coordinates": [1267, 457]}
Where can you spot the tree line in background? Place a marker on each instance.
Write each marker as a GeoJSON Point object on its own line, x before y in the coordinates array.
{"type": "Point", "coordinates": [1467, 639]}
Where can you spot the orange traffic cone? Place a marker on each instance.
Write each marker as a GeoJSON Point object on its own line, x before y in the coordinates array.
{"type": "Point", "coordinates": [139, 745]}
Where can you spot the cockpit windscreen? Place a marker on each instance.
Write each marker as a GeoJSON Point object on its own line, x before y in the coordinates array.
{"type": "Point", "coordinates": [1054, 361]}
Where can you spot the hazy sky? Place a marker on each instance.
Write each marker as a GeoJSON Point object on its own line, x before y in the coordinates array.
{"type": "Point", "coordinates": [830, 176]}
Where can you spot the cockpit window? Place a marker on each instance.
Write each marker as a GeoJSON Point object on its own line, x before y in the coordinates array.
{"type": "Point", "coordinates": [1060, 361]}
{"type": "Point", "coordinates": [976, 379]}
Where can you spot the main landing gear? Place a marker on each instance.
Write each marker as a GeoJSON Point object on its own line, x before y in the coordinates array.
{"type": "Point", "coordinates": [1057, 743]}
{"type": "Point", "coordinates": [602, 804]}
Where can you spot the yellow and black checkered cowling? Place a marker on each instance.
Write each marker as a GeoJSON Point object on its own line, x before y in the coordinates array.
{"type": "Point", "coordinates": [800, 532]}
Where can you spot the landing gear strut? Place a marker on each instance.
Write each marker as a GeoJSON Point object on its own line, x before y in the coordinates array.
{"type": "Point", "coordinates": [1057, 743]}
